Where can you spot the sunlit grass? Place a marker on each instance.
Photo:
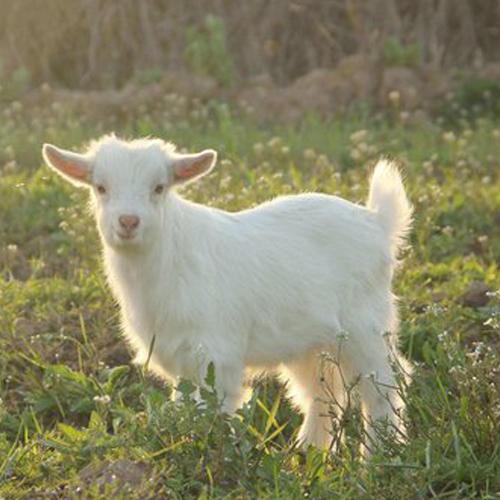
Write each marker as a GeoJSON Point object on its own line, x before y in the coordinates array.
{"type": "Point", "coordinates": [71, 401]}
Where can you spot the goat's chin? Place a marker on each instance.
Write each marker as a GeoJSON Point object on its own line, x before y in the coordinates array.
{"type": "Point", "coordinates": [121, 243]}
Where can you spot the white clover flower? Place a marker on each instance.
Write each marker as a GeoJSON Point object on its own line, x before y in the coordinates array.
{"type": "Point", "coordinates": [275, 142]}
{"type": "Point", "coordinates": [394, 97]}
{"type": "Point", "coordinates": [443, 336]}
{"type": "Point", "coordinates": [363, 147]}
{"type": "Point", "coordinates": [449, 137]}
{"type": "Point", "coordinates": [309, 154]}
{"type": "Point", "coordinates": [322, 161]}
{"type": "Point", "coordinates": [258, 147]}
{"type": "Point", "coordinates": [355, 154]}
{"type": "Point", "coordinates": [104, 400]}
{"type": "Point", "coordinates": [358, 136]}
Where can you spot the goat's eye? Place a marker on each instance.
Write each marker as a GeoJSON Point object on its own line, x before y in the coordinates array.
{"type": "Point", "coordinates": [159, 189]}
{"type": "Point", "coordinates": [101, 189]}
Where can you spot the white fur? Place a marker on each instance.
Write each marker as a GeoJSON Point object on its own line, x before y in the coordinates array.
{"type": "Point", "coordinates": [267, 288]}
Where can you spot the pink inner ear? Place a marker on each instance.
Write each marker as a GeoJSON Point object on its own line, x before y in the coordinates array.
{"type": "Point", "coordinates": [191, 168]}
{"type": "Point", "coordinates": [72, 169]}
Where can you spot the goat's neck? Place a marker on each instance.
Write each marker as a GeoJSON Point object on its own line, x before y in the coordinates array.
{"type": "Point", "coordinates": [174, 252]}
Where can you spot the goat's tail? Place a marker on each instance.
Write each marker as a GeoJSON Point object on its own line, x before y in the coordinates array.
{"type": "Point", "coordinates": [388, 199]}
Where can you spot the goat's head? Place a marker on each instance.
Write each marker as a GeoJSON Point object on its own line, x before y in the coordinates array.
{"type": "Point", "coordinates": [129, 182]}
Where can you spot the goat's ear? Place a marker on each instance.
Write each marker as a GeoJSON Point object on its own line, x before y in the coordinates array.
{"type": "Point", "coordinates": [75, 168]}
{"type": "Point", "coordinates": [187, 168]}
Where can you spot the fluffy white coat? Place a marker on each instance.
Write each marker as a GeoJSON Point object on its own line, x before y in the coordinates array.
{"type": "Point", "coordinates": [266, 288]}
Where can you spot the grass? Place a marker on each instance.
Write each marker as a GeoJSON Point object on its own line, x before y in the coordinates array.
{"type": "Point", "coordinates": [76, 418]}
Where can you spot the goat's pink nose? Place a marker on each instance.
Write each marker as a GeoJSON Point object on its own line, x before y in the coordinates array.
{"type": "Point", "coordinates": [129, 222]}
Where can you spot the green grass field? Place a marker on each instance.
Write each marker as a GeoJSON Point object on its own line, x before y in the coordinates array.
{"type": "Point", "coordinates": [78, 420]}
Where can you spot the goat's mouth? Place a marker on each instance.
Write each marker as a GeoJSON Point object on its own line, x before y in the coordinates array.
{"type": "Point", "coordinates": [125, 236]}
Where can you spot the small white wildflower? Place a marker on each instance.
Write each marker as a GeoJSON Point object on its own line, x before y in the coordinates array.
{"type": "Point", "coordinates": [358, 136]}
{"type": "Point", "coordinates": [443, 336]}
{"type": "Point", "coordinates": [363, 147]}
{"type": "Point", "coordinates": [355, 154]}
{"type": "Point", "coordinates": [275, 142]}
{"type": "Point", "coordinates": [322, 161]}
{"type": "Point", "coordinates": [394, 97]}
{"type": "Point", "coordinates": [309, 154]}
{"type": "Point", "coordinates": [104, 400]}
{"type": "Point", "coordinates": [258, 147]}
{"type": "Point", "coordinates": [449, 137]}
{"type": "Point", "coordinates": [225, 181]}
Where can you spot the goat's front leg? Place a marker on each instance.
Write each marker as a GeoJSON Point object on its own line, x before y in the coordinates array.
{"type": "Point", "coordinates": [193, 364]}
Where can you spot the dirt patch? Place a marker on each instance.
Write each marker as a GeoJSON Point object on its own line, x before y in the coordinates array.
{"type": "Point", "coordinates": [356, 79]}
{"type": "Point", "coordinates": [119, 478]}
{"type": "Point", "coordinates": [476, 295]}
{"type": "Point", "coordinates": [322, 91]}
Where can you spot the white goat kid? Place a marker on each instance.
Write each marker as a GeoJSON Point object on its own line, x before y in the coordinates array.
{"type": "Point", "coordinates": [262, 289]}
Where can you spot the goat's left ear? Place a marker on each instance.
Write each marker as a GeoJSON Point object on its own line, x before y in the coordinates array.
{"type": "Point", "coordinates": [187, 168]}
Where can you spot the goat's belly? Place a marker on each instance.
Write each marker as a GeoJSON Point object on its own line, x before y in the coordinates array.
{"type": "Point", "coordinates": [270, 345]}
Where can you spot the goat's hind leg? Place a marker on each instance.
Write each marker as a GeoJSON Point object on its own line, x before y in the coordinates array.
{"type": "Point", "coordinates": [312, 385]}
{"type": "Point", "coordinates": [368, 355]}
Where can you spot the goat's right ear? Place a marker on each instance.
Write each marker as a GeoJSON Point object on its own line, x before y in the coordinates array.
{"type": "Point", "coordinates": [74, 167]}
